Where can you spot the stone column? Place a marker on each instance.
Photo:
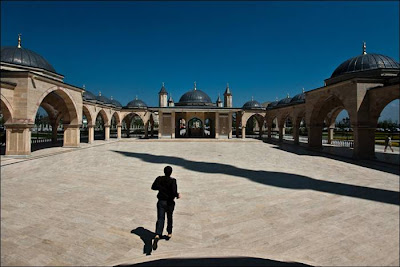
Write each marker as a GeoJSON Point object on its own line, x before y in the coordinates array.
{"type": "Point", "coordinates": [238, 120]}
{"type": "Point", "coordinates": [330, 135]}
{"type": "Point", "coordinates": [90, 134]}
{"type": "Point", "coordinates": [243, 132]}
{"type": "Point", "coordinates": [281, 133]}
{"type": "Point", "coordinates": [230, 125]}
{"type": "Point", "coordinates": [119, 131]}
{"type": "Point", "coordinates": [146, 129]}
{"type": "Point", "coordinates": [54, 132]}
{"type": "Point", "coordinates": [107, 132]}
{"type": "Point", "coordinates": [160, 124]}
{"type": "Point", "coordinates": [364, 142]}
{"type": "Point", "coordinates": [315, 136]}
{"type": "Point", "coordinates": [269, 130]}
{"type": "Point", "coordinates": [216, 125]}
{"type": "Point", "coordinates": [296, 134]}
{"type": "Point", "coordinates": [71, 135]}
{"type": "Point", "coordinates": [173, 126]}
{"type": "Point", "coordinates": [18, 139]}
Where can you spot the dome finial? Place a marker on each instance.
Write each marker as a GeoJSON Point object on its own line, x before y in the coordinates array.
{"type": "Point", "coordinates": [19, 40]}
{"type": "Point", "coordinates": [364, 48]}
{"type": "Point", "coordinates": [276, 99]}
{"type": "Point", "coordinates": [303, 90]}
{"type": "Point", "coordinates": [136, 97]}
{"type": "Point", "coordinates": [287, 95]}
{"type": "Point", "coordinates": [111, 98]}
{"type": "Point", "coordinates": [162, 84]}
{"type": "Point", "coordinates": [84, 87]}
{"type": "Point", "coordinates": [195, 86]}
{"type": "Point", "coordinates": [252, 98]}
{"type": "Point", "coordinates": [99, 93]}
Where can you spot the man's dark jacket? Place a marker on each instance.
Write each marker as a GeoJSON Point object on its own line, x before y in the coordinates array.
{"type": "Point", "coordinates": [168, 190]}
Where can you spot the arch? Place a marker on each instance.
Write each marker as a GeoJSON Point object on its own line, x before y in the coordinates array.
{"type": "Point", "coordinates": [181, 127]}
{"type": "Point", "coordinates": [326, 110]}
{"type": "Point", "coordinates": [117, 117]}
{"type": "Point", "coordinates": [380, 105]}
{"type": "Point", "coordinates": [68, 101]}
{"type": "Point", "coordinates": [325, 106]}
{"type": "Point", "coordinates": [6, 110]}
{"type": "Point", "coordinates": [103, 114]}
{"type": "Point", "coordinates": [88, 114]}
{"type": "Point", "coordinates": [259, 119]}
{"type": "Point", "coordinates": [195, 127]}
{"type": "Point", "coordinates": [128, 119]}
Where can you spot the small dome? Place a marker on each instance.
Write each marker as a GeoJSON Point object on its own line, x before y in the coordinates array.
{"type": "Point", "coordinates": [300, 98]}
{"type": "Point", "coordinates": [284, 102]}
{"type": "Point", "coordinates": [88, 96]}
{"type": "Point", "coordinates": [25, 57]}
{"type": "Point", "coordinates": [195, 98]}
{"type": "Point", "coordinates": [252, 104]}
{"type": "Point", "coordinates": [365, 62]}
{"type": "Point", "coordinates": [136, 103]}
{"type": "Point", "coordinates": [103, 99]}
{"type": "Point", "coordinates": [116, 103]}
{"type": "Point", "coordinates": [272, 104]}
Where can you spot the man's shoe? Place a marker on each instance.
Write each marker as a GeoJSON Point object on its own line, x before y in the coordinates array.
{"type": "Point", "coordinates": [155, 242]}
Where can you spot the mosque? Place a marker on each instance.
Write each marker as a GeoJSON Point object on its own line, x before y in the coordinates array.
{"type": "Point", "coordinates": [362, 85]}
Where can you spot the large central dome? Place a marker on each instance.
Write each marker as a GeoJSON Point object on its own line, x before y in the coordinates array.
{"type": "Point", "coordinates": [24, 57]}
{"type": "Point", "coordinates": [195, 98]}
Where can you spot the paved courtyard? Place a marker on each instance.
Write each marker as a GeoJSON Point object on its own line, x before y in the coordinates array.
{"type": "Point", "coordinates": [94, 206]}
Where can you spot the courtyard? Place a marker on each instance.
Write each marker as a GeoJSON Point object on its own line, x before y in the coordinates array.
{"type": "Point", "coordinates": [240, 198]}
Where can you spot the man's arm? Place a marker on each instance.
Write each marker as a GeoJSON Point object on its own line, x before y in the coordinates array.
{"type": "Point", "coordinates": [175, 190]}
{"type": "Point", "coordinates": [156, 185]}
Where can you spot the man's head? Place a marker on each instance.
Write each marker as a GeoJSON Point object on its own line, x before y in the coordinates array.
{"type": "Point", "coordinates": [168, 171]}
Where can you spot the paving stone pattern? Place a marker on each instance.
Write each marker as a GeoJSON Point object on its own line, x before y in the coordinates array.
{"type": "Point", "coordinates": [94, 206]}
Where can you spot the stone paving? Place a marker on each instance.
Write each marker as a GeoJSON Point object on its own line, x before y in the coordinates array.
{"type": "Point", "coordinates": [94, 206]}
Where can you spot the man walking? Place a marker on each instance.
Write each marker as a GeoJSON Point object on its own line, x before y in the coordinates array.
{"type": "Point", "coordinates": [167, 191]}
{"type": "Point", "coordinates": [388, 143]}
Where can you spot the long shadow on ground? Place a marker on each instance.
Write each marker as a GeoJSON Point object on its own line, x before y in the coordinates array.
{"type": "Point", "coordinates": [231, 261]}
{"type": "Point", "coordinates": [339, 153]}
{"type": "Point", "coordinates": [278, 179]}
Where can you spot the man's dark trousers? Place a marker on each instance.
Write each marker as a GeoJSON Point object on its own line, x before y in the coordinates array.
{"type": "Point", "coordinates": [164, 206]}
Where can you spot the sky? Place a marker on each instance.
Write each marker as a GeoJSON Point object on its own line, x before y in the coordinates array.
{"type": "Point", "coordinates": [263, 49]}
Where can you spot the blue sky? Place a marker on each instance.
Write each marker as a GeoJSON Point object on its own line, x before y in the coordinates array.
{"type": "Point", "coordinates": [264, 49]}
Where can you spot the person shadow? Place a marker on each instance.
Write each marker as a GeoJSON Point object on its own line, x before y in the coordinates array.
{"type": "Point", "coordinates": [147, 237]}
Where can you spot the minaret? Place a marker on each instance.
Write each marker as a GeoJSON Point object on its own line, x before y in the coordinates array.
{"type": "Point", "coordinates": [162, 97]}
{"type": "Point", "coordinates": [219, 102]}
{"type": "Point", "coordinates": [227, 97]}
{"type": "Point", "coordinates": [364, 48]}
{"type": "Point", "coordinates": [171, 101]}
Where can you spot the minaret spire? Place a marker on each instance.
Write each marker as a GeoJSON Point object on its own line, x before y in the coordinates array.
{"type": "Point", "coordinates": [19, 40]}
{"type": "Point", "coordinates": [364, 48]}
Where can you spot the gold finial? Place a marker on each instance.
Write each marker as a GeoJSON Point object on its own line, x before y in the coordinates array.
{"type": "Point", "coordinates": [99, 93]}
{"type": "Point", "coordinates": [195, 86]}
{"type": "Point", "coordinates": [364, 48]}
{"type": "Point", "coordinates": [19, 40]}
